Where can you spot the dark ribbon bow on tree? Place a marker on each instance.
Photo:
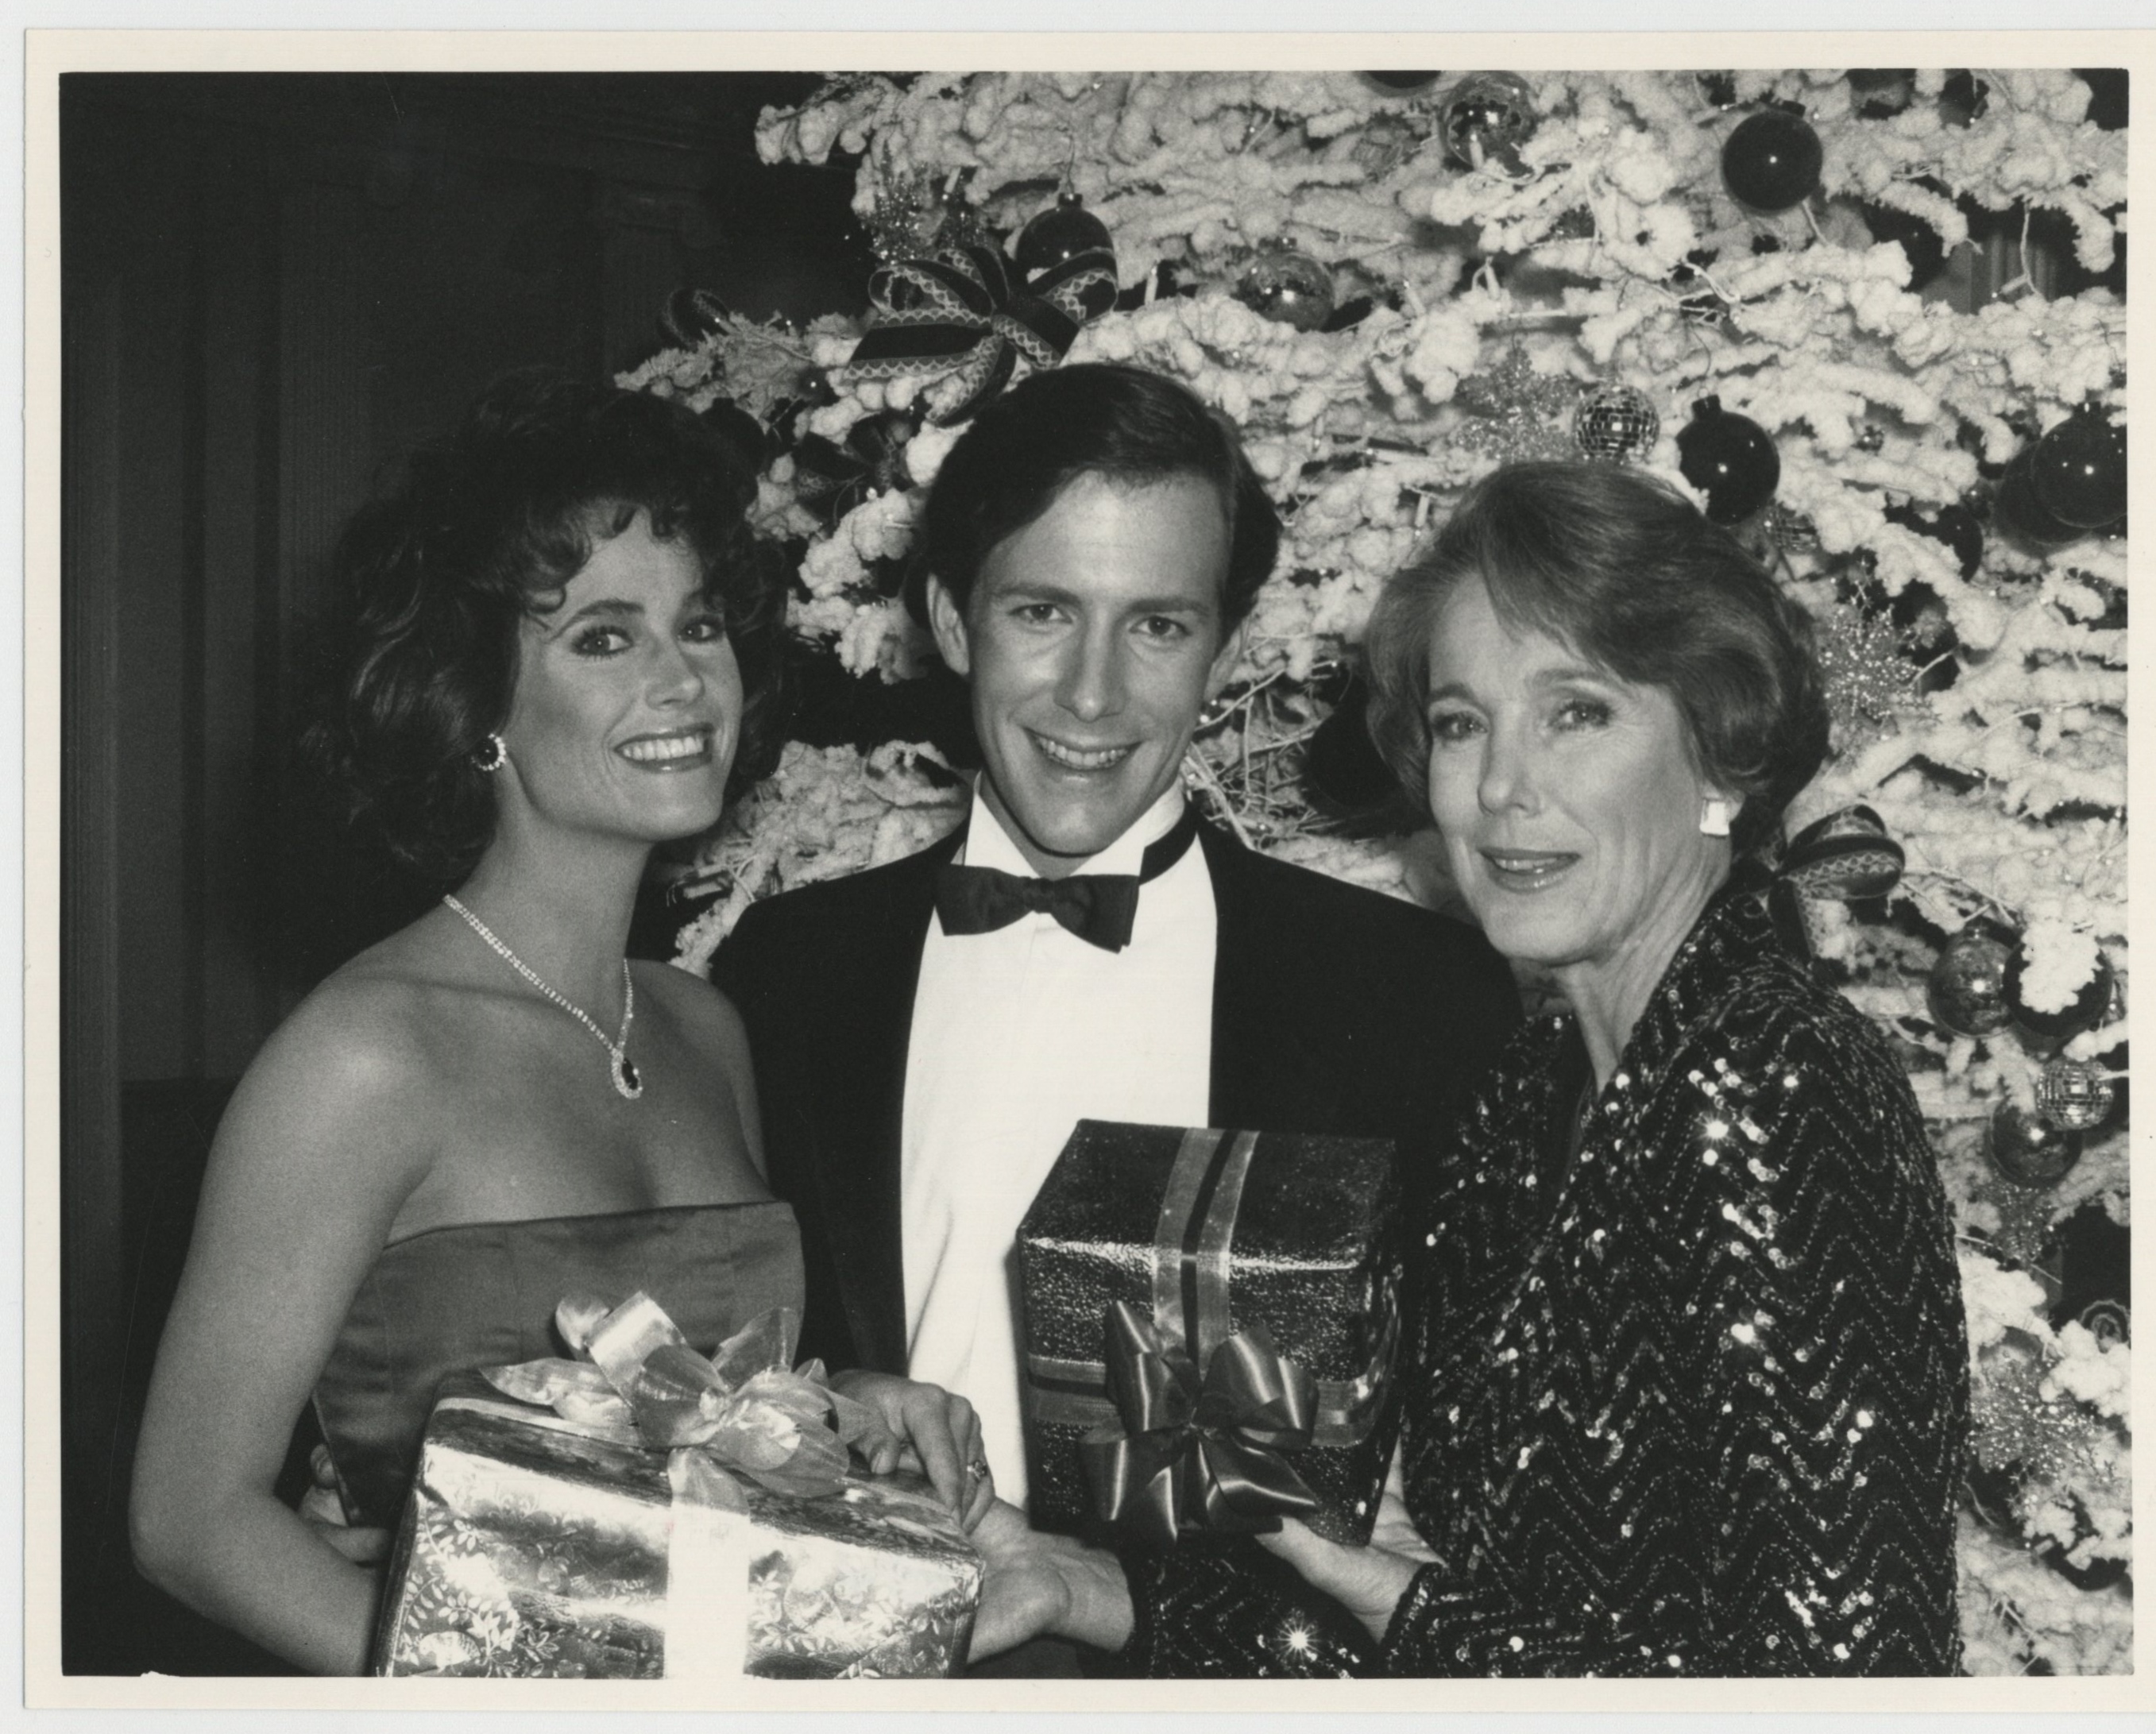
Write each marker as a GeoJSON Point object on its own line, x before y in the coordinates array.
{"type": "Point", "coordinates": [966, 311]}
{"type": "Point", "coordinates": [835, 479]}
{"type": "Point", "coordinates": [1198, 1452]}
{"type": "Point", "coordinates": [1841, 858]}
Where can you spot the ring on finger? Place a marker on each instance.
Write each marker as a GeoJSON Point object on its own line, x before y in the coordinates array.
{"type": "Point", "coordinates": [977, 1469]}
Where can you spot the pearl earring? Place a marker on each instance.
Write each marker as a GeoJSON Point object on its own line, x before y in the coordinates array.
{"type": "Point", "coordinates": [492, 754]}
{"type": "Point", "coordinates": [1714, 820]}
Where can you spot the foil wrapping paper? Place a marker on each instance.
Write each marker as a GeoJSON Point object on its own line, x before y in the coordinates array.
{"type": "Point", "coordinates": [1297, 1238]}
{"type": "Point", "coordinates": [531, 1549]}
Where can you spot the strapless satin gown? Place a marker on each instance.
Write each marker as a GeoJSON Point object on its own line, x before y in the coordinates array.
{"type": "Point", "coordinates": [478, 1294]}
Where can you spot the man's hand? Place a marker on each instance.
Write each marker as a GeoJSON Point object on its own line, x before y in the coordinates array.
{"type": "Point", "coordinates": [930, 1430]}
{"type": "Point", "coordinates": [323, 1507]}
{"type": "Point", "coordinates": [1037, 1585]}
{"type": "Point", "coordinates": [1368, 1582]}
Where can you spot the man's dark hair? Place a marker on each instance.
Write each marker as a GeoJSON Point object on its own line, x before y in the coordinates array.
{"type": "Point", "coordinates": [1631, 574]}
{"type": "Point", "coordinates": [483, 531]}
{"type": "Point", "coordinates": [1123, 424]}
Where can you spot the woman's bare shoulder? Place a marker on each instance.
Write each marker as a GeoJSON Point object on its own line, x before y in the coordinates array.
{"type": "Point", "coordinates": [362, 1054]}
{"type": "Point", "coordinates": [698, 1009]}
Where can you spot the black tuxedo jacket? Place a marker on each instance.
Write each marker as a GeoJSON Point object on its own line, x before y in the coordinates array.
{"type": "Point", "coordinates": [1335, 1010]}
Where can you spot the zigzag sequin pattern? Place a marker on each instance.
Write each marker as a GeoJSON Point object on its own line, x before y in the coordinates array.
{"type": "Point", "coordinates": [1695, 1400]}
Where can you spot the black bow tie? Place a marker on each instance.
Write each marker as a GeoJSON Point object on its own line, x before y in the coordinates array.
{"type": "Point", "coordinates": [1099, 907]}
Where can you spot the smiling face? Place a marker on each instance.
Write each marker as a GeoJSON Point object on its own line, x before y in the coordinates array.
{"type": "Point", "coordinates": [1091, 641]}
{"type": "Point", "coordinates": [629, 700]}
{"type": "Point", "coordinates": [1568, 801]}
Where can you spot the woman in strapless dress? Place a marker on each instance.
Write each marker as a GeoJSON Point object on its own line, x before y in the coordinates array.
{"type": "Point", "coordinates": [561, 643]}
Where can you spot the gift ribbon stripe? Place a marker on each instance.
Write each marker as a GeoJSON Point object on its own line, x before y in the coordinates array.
{"type": "Point", "coordinates": [1075, 1394]}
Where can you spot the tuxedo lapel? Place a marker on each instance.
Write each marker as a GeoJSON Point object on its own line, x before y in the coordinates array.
{"type": "Point", "coordinates": [1265, 1072]}
{"type": "Point", "coordinates": [875, 950]}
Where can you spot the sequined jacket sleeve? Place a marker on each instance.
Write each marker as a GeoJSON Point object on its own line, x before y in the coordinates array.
{"type": "Point", "coordinates": [1753, 1471]}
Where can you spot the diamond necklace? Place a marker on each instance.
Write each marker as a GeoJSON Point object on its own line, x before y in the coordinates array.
{"type": "Point", "coordinates": [626, 1080]}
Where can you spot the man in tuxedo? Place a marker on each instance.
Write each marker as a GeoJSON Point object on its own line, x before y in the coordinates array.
{"type": "Point", "coordinates": [925, 1033]}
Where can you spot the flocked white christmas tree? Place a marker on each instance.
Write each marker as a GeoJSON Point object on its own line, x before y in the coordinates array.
{"type": "Point", "coordinates": [1392, 282]}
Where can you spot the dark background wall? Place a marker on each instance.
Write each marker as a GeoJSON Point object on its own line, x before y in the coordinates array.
{"type": "Point", "coordinates": [272, 286]}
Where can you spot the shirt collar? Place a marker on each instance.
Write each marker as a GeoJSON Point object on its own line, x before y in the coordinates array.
{"type": "Point", "coordinates": [988, 844]}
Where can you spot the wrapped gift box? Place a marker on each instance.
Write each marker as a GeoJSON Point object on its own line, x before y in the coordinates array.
{"type": "Point", "coordinates": [1194, 1236]}
{"type": "Point", "coordinates": [532, 1546]}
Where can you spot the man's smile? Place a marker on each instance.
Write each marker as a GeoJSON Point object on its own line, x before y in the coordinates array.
{"type": "Point", "coordinates": [1079, 758]}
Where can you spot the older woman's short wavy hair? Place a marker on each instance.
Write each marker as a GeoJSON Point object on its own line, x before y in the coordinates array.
{"type": "Point", "coordinates": [1629, 574]}
{"type": "Point", "coordinates": [483, 531]}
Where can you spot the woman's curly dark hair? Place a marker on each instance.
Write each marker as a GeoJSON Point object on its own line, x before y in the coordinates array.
{"type": "Point", "coordinates": [484, 530]}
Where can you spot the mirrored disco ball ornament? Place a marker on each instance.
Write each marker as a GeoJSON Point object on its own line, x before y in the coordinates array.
{"type": "Point", "coordinates": [1487, 115]}
{"type": "Point", "coordinates": [2028, 1150]}
{"type": "Point", "coordinates": [1967, 990]}
{"type": "Point", "coordinates": [1287, 285]}
{"type": "Point", "coordinates": [1614, 422]}
{"type": "Point", "coordinates": [2073, 1096]}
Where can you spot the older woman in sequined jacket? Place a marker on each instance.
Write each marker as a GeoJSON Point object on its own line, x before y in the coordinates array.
{"type": "Point", "coordinates": [1685, 1373]}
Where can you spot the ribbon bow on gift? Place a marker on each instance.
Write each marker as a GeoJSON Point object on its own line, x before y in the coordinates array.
{"type": "Point", "coordinates": [966, 311]}
{"type": "Point", "coordinates": [742, 1409]}
{"type": "Point", "coordinates": [1197, 1453]}
{"type": "Point", "coordinates": [1840, 859]}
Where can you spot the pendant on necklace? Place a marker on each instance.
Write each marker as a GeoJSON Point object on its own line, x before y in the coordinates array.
{"type": "Point", "coordinates": [627, 1079]}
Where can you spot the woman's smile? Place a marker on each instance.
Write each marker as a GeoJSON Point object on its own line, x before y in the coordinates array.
{"type": "Point", "coordinates": [1525, 871]}
{"type": "Point", "coordinates": [688, 749]}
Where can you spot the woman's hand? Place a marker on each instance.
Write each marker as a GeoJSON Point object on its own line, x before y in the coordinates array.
{"type": "Point", "coordinates": [930, 1430]}
{"type": "Point", "coordinates": [1037, 1585]}
{"type": "Point", "coordinates": [1368, 1582]}
{"type": "Point", "coordinates": [322, 1507]}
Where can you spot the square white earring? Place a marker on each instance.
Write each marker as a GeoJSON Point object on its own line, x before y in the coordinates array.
{"type": "Point", "coordinates": [1714, 819]}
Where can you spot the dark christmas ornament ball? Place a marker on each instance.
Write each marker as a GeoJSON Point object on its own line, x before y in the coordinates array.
{"type": "Point", "coordinates": [1730, 459]}
{"type": "Point", "coordinates": [1403, 80]}
{"type": "Point", "coordinates": [1966, 989]}
{"type": "Point", "coordinates": [2054, 1026]}
{"type": "Point", "coordinates": [1487, 115]}
{"type": "Point", "coordinates": [1953, 524]}
{"type": "Point", "coordinates": [1615, 421]}
{"type": "Point", "coordinates": [2079, 470]}
{"type": "Point", "coordinates": [1287, 285]}
{"type": "Point", "coordinates": [2028, 1150]}
{"type": "Point", "coordinates": [2074, 1096]}
{"type": "Point", "coordinates": [1060, 233]}
{"type": "Point", "coordinates": [2018, 514]}
{"type": "Point", "coordinates": [1772, 161]}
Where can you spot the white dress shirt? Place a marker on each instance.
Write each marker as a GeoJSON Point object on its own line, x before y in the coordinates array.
{"type": "Point", "coordinates": [1016, 1035]}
